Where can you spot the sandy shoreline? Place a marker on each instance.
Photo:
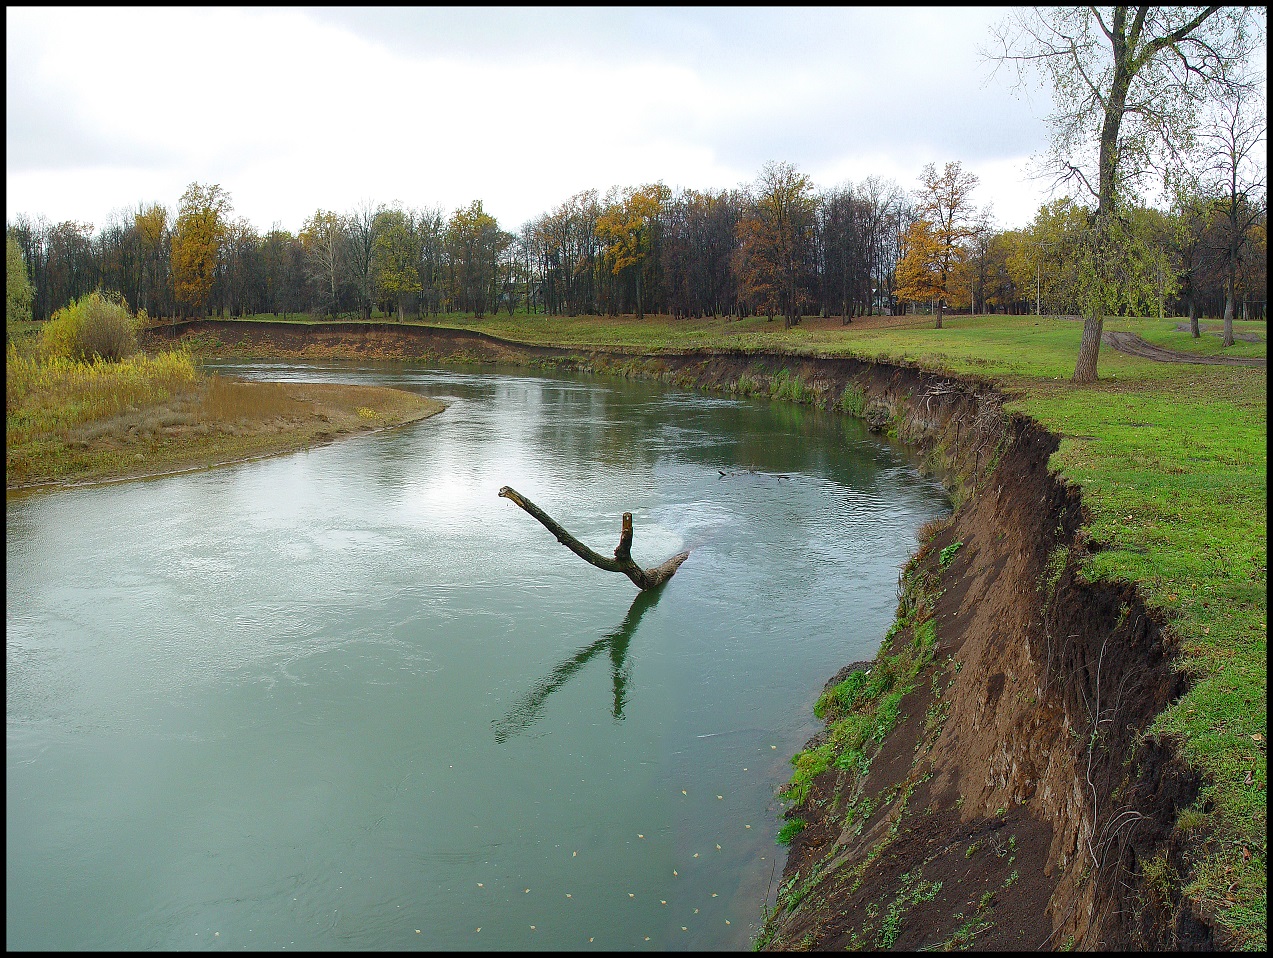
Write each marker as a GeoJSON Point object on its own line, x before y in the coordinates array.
{"type": "Point", "coordinates": [242, 422]}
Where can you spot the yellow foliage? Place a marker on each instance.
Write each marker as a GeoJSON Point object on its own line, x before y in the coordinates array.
{"type": "Point", "coordinates": [626, 225]}
{"type": "Point", "coordinates": [919, 274]}
{"type": "Point", "coordinates": [196, 241]}
{"type": "Point", "coordinates": [55, 394]}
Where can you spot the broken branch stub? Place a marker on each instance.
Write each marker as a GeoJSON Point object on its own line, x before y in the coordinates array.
{"type": "Point", "coordinates": [622, 561]}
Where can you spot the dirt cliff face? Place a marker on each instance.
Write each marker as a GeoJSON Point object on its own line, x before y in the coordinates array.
{"type": "Point", "coordinates": [1014, 803]}
{"type": "Point", "coordinates": [1016, 800]}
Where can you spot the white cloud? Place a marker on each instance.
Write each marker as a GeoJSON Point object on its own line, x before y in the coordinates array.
{"type": "Point", "coordinates": [292, 110]}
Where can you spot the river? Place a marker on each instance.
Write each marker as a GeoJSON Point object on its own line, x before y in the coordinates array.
{"type": "Point", "coordinates": [350, 698]}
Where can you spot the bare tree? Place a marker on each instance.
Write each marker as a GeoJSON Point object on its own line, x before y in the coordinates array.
{"type": "Point", "coordinates": [360, 230]}
{"type": "Point", "coordinates": [1233, 173]}
{"type": "Point", "coordinates": [1127, 83]}
{"type": "Point", "coordinates": [322, 238]}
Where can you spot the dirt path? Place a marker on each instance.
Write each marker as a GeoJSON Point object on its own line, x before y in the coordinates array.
{"type": "Point", "coordinates": [1219, 331]}
{"type": "Point", "coordinates": [1133, 345]}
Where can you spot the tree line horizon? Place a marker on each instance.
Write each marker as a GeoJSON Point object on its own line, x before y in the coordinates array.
{"type": "Point", "coordinates": [777, 247]}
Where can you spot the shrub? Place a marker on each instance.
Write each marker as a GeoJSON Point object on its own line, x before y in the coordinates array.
{"type": "Point", "coordinates": [95, 326]}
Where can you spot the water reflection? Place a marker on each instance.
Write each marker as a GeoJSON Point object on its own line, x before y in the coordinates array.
{"type": "Point", "coordinates": [524, 715]}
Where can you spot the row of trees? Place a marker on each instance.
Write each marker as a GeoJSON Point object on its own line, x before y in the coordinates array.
{"type": "Point", "coordinates": [778, 248]}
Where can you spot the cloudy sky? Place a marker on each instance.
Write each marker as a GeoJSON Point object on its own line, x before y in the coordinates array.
{"type": "Point", "coordinates": [291, 110]}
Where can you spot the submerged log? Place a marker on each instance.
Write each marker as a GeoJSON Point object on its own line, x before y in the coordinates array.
{"type": "Point", "coordinates": [622, 561]}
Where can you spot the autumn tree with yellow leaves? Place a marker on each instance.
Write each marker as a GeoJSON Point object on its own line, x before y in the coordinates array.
{"type": "Point", "coordinates": [935, 250]}
{"type": "Point", "coordinates": [474, 245]}
{"type": "Point", "coordinates": [196, 242]}
{"type": "Point", "coordinates": [628, 228]}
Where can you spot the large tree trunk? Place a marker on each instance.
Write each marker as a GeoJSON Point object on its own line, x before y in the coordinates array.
{"type": "Point", "coordinates": [1089, 347]}
{"type": "Point", "coordinates": [622, 561]}
{"type": "Point", "coordinates": [1194, 331]}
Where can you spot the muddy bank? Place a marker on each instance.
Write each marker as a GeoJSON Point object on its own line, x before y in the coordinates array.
{"type": "Point", "coordinates": [1015, 803]}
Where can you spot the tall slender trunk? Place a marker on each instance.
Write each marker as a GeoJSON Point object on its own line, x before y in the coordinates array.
{"type": "Point", "coordinates": [1228, 309]}
{"type": "Point", "coordinates": [1194, 331]}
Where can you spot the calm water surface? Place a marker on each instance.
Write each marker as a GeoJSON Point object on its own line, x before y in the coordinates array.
{"type": "Point", "coordinates": [351, 699]}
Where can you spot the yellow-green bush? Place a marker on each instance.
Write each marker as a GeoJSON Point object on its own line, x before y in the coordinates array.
{"type": "Point", "coordinates": [95, 326]}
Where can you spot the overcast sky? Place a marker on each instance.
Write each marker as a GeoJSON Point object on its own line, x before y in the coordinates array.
{"type": "Point", "coordinates": [291, 110]}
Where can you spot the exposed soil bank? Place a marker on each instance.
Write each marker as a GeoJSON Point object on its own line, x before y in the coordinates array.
{"type": "Point", "coordinates": [1017, 776]}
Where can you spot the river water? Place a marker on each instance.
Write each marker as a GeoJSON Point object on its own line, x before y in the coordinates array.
{"type": "Point", "coordinates": [351, 699]}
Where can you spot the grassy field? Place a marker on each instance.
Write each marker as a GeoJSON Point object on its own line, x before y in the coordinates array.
{"type": "Point", "coordinates": [1171, 461]}
{"type": "Point", "coordinates": [69, 422]}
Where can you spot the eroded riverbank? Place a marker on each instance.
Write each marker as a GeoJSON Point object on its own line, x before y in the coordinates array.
{"type": "Point", "coordinates": [1016, 778]}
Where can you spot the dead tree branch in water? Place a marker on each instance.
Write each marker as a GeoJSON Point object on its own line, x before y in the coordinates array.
{"type": "Point", "coordinates": [622, 561]}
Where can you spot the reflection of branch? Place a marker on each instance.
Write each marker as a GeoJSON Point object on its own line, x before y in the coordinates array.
{"type": "Point", "coordinates": [527, 712]}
